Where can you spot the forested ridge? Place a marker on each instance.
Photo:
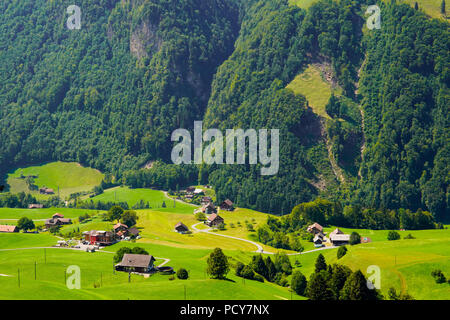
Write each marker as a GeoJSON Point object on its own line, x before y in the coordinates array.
{"type": "Point", "coordinates": [110, 95]}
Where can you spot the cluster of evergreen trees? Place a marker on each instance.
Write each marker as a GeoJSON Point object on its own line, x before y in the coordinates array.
{"type": "Point", "coordinates": [338, 282]}
{"type": "Point", "coordinates": [19, 200]}
{"type": "Point", "coordinates": [264, 268]}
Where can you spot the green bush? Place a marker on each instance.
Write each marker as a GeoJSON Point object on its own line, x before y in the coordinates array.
{"type": "Point", "coordinates": [438, 276]}
{"type": "Point", "coordinates": [355, 238]}
{"type": "Point", "coordinates": [341, 252]}
{"type": "Point", "coordinates": [182, 274]}
{"type": "Point", "coordinates": [393, 235]}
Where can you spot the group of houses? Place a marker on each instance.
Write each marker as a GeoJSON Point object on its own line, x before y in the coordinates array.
{"type": "Point", "coordinates": [208, 208]}
{"type": "Point", "coordinates": [57, 220]}
{"type": "Point", "coordinates": [335, 238]}
{"type": "Point", "coordinates": [106, 238]}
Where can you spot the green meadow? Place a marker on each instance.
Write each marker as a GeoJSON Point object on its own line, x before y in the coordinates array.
{"type": "Point", "coordinates": [316, 90]}
{"type": "Point", "coordinates": [45, 213]}
{"type": "Point", "coordinates": [98, 281]}
{"type": "Point", "coordinates": [431, 7]}
{"type": "Point", "coordinates": [69, 177]}
{"type": "Point", "coordinates": [155, 198]}
{"type": "Point", "coordinates": [404, 264]}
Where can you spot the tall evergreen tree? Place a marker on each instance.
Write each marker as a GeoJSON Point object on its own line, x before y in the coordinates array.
{"type": "Point", "coordinates": [271, 270]}
{"type": "Point", "coordinates": [355, 288]}
{"type": "Point", "coordinates": [320, 263]}
{"type": "Point", "coordinates": [298, 282]}
{"type": "Point", "coordinates": [317, 288]}
{"type": "Point", "coordinates": [443, 7]}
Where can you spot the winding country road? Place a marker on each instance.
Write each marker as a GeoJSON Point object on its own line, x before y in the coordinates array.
{"type": "Point", "coordinates": [260, 248]}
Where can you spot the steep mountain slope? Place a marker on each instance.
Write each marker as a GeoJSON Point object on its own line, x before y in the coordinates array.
{"type": "Point", "coordinates": [107, 95]}
{"type": "Point", "coordinates": [110, 95]}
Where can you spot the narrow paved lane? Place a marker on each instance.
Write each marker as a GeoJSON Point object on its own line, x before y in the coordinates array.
{"type": "Point", "coordinates": [260, 248]}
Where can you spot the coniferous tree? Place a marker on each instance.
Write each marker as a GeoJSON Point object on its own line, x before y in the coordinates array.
{"type": "Point", "coordinates": [298, 282]}
{"type": "Point", "coordinates": [317, 288]}
{"type": "Point", "coordinates": [320, 263]}
{"type": "Point", "coordinates": [271, 270]}
{"type": "Point", "coordinates": [443, 7]}
{"type": "Point", "coordinates": [355, 288]}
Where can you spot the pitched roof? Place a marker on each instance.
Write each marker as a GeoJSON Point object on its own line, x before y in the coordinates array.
{"type": "Point", "coordinates": [7, 228]}
{"type": "Point", "coordinates": [181, 225]}
{"type": "Point", "coordinates": [316, 225]}
{"type": "Point", "coordinates": [118, 225]}
{"type": "Point", "coordinates": [228, 202]}
{"type": "Point", "coordinates": [96, 233]}
{"type": "Point", "coordinates": [134, 231]}
{"type": "Point", "coordinates": [214, 216]}
{"type": "Point", "coordinates": [340, 237]}
{"type": "Point", "coordinates": [58, 215]}
{"type": "Point", "coordinates": [136, 260]}
{"type": "Point", "coordinates": [318, 237]}
{"type": "Point", "coordinates": [336, 231]}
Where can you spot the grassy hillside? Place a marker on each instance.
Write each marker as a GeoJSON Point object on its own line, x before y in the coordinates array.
{"type": "Point", "coordinates": [69, 177]}
{"type": "Point", "coordinates": [155, 198]}
{"type": "Point", "coordinates": [38, 214]}
{"type": "Point", "coordinates": [430, 7]}
{"type": "Point", "coordinates": [316, 90]}
{"type": "Point", "coordinates": [97, 268]}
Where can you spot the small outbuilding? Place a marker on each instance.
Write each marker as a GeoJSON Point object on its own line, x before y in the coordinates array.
{"type": "Point", "coordinates": [181, 228]}
{"type": "Point", "coordinates": [214, 220]}
{"type": "Point", "coordinates": [315, 228]}
{"type": "Point", "coordinates": [227, 205]}
{"type": "Point", "coordinates": [8, 228]}
{"type": "Point", "coordinates": [209, 208]}
{"type": "Point", "coordinates": [35, 206]}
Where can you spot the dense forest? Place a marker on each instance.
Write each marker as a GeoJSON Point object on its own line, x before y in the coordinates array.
{"type": "Point", "coordinates": [110, 94]}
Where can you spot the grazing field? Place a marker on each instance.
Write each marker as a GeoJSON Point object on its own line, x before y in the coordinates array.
{"type": "Point", "coordinates": [431, 7]}
{"type": "Point", "coordinates": [155, 198]}
{"type": "Point", "coordinates": [405, 264]}
{"type": "Point", "coordinates": [158, 227]}
{"type": "Point", "coordinates": [69, 177]}
{"type": "Point", "coordinates": [315, 89]}
{"type": "Point", "coordinates": [39, 214]}
{"type": "Point", "coordinates": [26, 240]}
{"type": "Point", "coordinates": [96, 268]}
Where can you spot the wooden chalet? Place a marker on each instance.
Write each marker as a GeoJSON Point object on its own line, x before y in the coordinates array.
{"type": "Point", "coordinates": [139, 263]}
{"type": "Point", "coordinates": [339, 239]}
{"type": "Point", "coordinates": [209, 208]}
{"type": "Point", "coordinates": [214, 220]}
{"type": "Point", "coordinates": [46, 191]}
{"type": "Point", "coordinates": [35, 206]}
{"type": "Point", "coordinates": [57, 222]}
{"type": "Point", "coordinates": [206, 200]}
{"type": "Point", "coordinates": [315, 228]}
{"type": "Point", "coordinates": [133, 232]}
{"type": "Point", "coordinates": [227, 205]}
{"type": "Point", "coordinates": [8, 229]}
{"type": "Point", "coordinates": [181, 228]}
{"type": "Point", "coordinates": [58, 215]}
